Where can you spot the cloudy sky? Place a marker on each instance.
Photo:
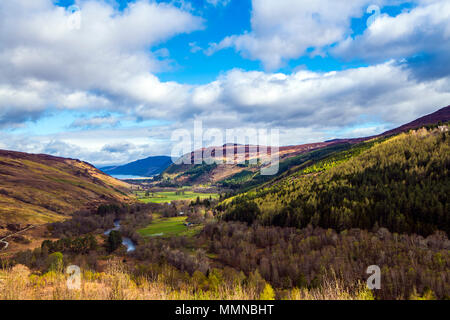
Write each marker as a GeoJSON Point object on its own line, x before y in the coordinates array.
{"type": "Point", "coordinates": [109, 81]}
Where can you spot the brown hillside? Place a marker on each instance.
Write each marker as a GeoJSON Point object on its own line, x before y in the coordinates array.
{"type": "Point", "coordinates": [41, 188]}
{"type": "Point", "coordinates": [234, 151]}
{"type": "Point", "coordinates": [442, 115]}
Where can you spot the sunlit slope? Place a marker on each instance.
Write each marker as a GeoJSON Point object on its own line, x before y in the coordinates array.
{"type": "Point", "coordinates": [221, 174]}
{"type": "Point", "coordinates": [401, 183]}
{"type": "Point", "coordinates": [244, 176]}
{"type": "Point", "coordinates": [41, 188]}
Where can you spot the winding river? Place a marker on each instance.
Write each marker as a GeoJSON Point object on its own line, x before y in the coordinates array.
{"type": "Point", "coordinates": [127, 242]}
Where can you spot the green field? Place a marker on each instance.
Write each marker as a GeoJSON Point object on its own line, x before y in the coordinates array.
{"type": "Point", "coordinates": [168, 196]}
{"type": "Point", "coordinates": [165, 227]}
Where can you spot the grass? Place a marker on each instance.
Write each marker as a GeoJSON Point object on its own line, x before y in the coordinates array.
{"type": "Point", "coordinates": [168, 196]}
{"type": "Point", "coordinates": [116, 283]}
{"type": "Point", "coordinates": [165, 227]}
{"type": "Point", "coordinates": [37, 189]}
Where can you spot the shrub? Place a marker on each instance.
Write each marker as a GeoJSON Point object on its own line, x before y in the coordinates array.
{"type": "Point", "coordinates": [268, 293]}
{"type": "Point", "coordinates": [114, 241]}
{"type": "Point", "coordinates": [55, 262]}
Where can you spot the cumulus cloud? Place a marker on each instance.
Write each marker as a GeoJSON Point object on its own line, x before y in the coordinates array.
{"type": "Point", "coordinates": [101, 147]}
{"type": "Point", "coordinates": [282, 30]}
{"type": "Point", "coordinates": [29, 98]}
{"type": "Point", "coordinates": [216, 3]}
{"type": "Point", "coordinates": [194, 48]}
{"type": "Point", "coordinates": [105, 63]}
{"type": "Point", "coordinates": [95, 122]}
{"type": "Point", "coordinates": [108, 66]}
{"type": "Point", "coordinates": [118, 147]}
{"type": "Point", "coordinates": [425, 28]}
{"type": "Point", "coordinates": [310, 99]}
{"type": "Point", "coordinates": [287, 29]}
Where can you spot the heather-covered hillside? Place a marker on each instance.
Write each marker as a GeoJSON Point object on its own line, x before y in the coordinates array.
{"type": "Point", "coordinates": [40, 188]}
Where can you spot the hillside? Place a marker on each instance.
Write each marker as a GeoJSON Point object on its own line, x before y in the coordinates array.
{"type": "Point", "coordinates": [401, 183]}
{"type": "Point", "coordinates": [41, 188]}
{"type": "Point", "coordinates": [144, 168]}
{"type": "Point", "coordinates": [244, 176]}
{"type": "Point", "coordinates": [442, 115]}
{"type": "Point", "coordinates": [222, 174]}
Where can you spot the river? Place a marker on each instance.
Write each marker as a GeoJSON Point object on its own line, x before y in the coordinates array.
{"type": "Point", "coordinates": [127, 242]}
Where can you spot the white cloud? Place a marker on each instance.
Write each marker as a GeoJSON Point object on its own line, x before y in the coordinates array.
{"type": "Point", "coordinates": [30, 98]}
{"type": "Point", "coordinates": [107, 66]}
{"type": "Point", "coordinates": [424, 29]}
{"type": "Point", "coordinates": [101, 147]}
{"type": "Point", "coordinates": [46, 63]}
{"type": "Point", "coordinates": [216, 3]}
{"type": "Point", "coordinates": [386, 92]}
{"type": "Point", "coordinates": [282, 30]}
{"type": "Point", "coordinates": [95, 122]}
{"type": "Point", "coordinates": [286, 29]}
{"type": "Point", "coordinates": [194, 47]}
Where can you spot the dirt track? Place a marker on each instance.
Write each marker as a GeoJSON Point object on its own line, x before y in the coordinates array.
{"type": "Point", "coordinates": [3, 240]}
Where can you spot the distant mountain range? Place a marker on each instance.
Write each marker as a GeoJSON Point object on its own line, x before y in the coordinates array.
{"type": "Point", "coordinates": [147, 167]}
{"type": "Point", "coordinates": [157, 165]}
{"type": "Point", "coordinates": [289, 155]}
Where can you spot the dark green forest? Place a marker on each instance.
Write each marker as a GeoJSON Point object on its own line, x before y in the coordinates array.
{"type": "Point", "coordinates": [401, 183]}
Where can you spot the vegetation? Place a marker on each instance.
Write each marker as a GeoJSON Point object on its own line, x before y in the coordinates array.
{"type": "Point", "coordinates": [41, 189]}
{"type": "Point", "coordinates": [401, 184]}
{"type": "Point", "coordinates": [79, 245]}
{"type": "Point", "coordinates": [114, 240]}
{"type": "Point", "coordinates": [257, 262]}
{"type": "Point", "coordinates": [246, 180]}
{"type": "Point", "coordinates": [289, 258]}
{"type": "Point", "coordinates": [311, 232]}
{"type": "Point", "coordinates": [185, 174]}
{"type": "Point", "coordinates": [165, 227]}
{"type": "Point", "coordinates": [340, 157]}
{"type": "Point", "coordinates": [169, 196]}
{"type": "Point", "coordinates": [102, 218]}
{"type": "Point", "coordinates": [153, 282]}
{"type": "Point", "coordinates": [198, 170]}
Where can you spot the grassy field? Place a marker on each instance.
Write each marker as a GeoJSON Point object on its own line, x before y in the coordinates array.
{"type": "Point", "coordinates": [165, 227]}
{"type": "Point", "coordinates": [168, 196]}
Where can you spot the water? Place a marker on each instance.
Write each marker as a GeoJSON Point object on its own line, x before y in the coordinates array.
{"type": "Point", "coordinates": [128, 177]}
{"type": "Point", "coordinates": [127, 242]}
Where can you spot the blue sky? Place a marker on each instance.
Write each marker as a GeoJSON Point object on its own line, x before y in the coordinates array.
{"type": "Point", "coordinates": [132, 72]}
{"type": "Point", "coordinates": [234, 18]}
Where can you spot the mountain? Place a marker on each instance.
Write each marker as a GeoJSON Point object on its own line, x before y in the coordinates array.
{"type": "Point", "coordinates": [442, 115]}
{"type": "Point", "coordinates": [399, 182]}
{"type": "Point", "coordinates": [144, 168]}
{"type": "Point", "coordinates": [41, 188]}
{"type": "Point", "coordinates": [244, 176]}
{"type": "Point", "coordinates": [218, 173]}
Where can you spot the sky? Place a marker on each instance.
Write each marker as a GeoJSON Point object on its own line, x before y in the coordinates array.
{"type": "Point", "coordinates": [108, 81]}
